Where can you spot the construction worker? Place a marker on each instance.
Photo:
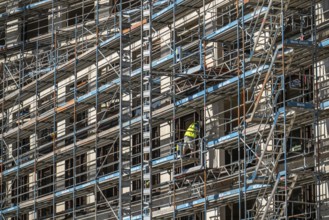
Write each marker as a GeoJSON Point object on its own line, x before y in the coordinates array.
{"type": "Point", "coordinates": [190, 135]}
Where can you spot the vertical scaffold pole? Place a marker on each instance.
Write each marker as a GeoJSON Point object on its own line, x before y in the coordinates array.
{"type": "Point", "coordinates": [202, 50]}
{"type": "Point", "coordinates": [173, 123]}
{"type": "Point", "coordinates": [75, 117]}
{"type": "Point", "coordinates": [244, 125]}
{"type": "Point", "coordinates": [121, 170]}
{"type": "Point", "coordinates": [238, 104]}
{"type": "Point", "coordinates": [55, 93]}
{"type": "Point", "coordinates": [96, 102]}
{"type": "Point", "coordinates": [284, 142]}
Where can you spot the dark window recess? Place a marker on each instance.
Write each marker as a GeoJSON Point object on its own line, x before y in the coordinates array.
{"type": "Point", "coordinates": [19, 192]}
{"type": "Point", "coordinates": [78, 203]}
{"type": "Point", "coordinates": [107, 159]}
{"type": "Point", "coordinates": [34, 28]}
{"type": "Point", "coordinates": [81, 116]}
{"type": "Point", "coordinates": [108, 193]}
{"type": "Point", "coordinates": [2, 191]}
{"type": "Point", "coordinates": [23, 147]}
{"type": "Point", "coordinates": [46, 103]}
{"type": "Point", "coordinates": [136, 149]}
{"type": "Point", "coordinates": [305, 195]}
{"type": "Point", "coordinates": [80, 123]}
{"type": "Point", "coordinates": [21, 217]}
{"type": "Point", "coordinates": [299, 141]}
{"type": "Point", "coordinates": [231, 213]}
{"type": "Point", "coordinates": [136, 184]}
{"type": "Point", "coordinates": [136, 154]}
{"type": "Point", "coordinates": [2, 39]}
{"type": "Point", "coordinates": [81, 14]}
{"type": "Point", "coordinates": [80, 170]}
{"type": "Point", "coordinates": [45, 181]}
{"type": "Point", "coordinates": [45, 213]}
{"type": "Point", "coordinates": [325, 5]}
{"type": "Point", "coordinates": [46, 136]}
{"type": "Point", "coordinates": [156, 142]}
{"type": "Point", "coordinates": [81, 120]}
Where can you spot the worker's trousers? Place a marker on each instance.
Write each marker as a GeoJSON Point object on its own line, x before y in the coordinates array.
{"type": "Point", "coordinates": [189, 144]}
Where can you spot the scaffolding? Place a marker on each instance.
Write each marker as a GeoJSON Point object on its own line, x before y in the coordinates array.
{"type": "Point", "coordinates": [97, 96]}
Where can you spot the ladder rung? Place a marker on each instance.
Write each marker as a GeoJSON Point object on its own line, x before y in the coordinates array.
{"type": "Point", "coordinates": [146, 149]}
{"type": "Point", "coordinates": [146, 191]}
{"type": "Point", "coordinates": [146, 53]}
{"type": "Point", "coordinates": [146, 27]}
{"type": "Point", "coordinates": [147, 93]}
{"type": "Point", "coordinates": [146, 12]}
{"type": "Point", "coordinates": [146, 67]}
{"type": "Point", "coordinates": [146, 108]}
{"type": "Point", "coordinates": [147, 176]}
{"type": "Point", "coordinates": [146, 134]}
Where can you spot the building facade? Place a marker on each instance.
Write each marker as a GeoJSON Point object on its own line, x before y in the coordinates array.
{"type": "Point", "coordinates": [97, 97]}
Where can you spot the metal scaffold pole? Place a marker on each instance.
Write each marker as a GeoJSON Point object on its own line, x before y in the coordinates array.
{"type": "Point", "coordinates": [75, 122]}
{"type": "Point", "coordinates": [96, 108]}
{"type": "Point", "coordinates": [121, 169]}
{"type": "Point", "coordinates": [53, 131]}
{"type": "Point", "coordinates": [202, 143]}
{"type": "Point", "coordinates": [285, 134]}
{"type": "Point", "coordinates": [173, 122]}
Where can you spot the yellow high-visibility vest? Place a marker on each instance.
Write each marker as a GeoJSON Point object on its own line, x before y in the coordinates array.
{"type": "Point", "coordinates": [192, 131]}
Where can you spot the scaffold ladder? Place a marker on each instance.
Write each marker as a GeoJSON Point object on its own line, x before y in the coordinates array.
{"type": "Point", "coordinates": [146, 110]}
{"type": "Point", "coordinates": [124, 120]}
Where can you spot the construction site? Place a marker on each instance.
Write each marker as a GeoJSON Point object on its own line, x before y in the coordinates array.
{"type": "Point", "coordinates": [164, 109]}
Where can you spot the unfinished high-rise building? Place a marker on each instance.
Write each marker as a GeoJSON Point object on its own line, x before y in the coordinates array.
{"type": "Point", "coordinates": [164, 109]}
